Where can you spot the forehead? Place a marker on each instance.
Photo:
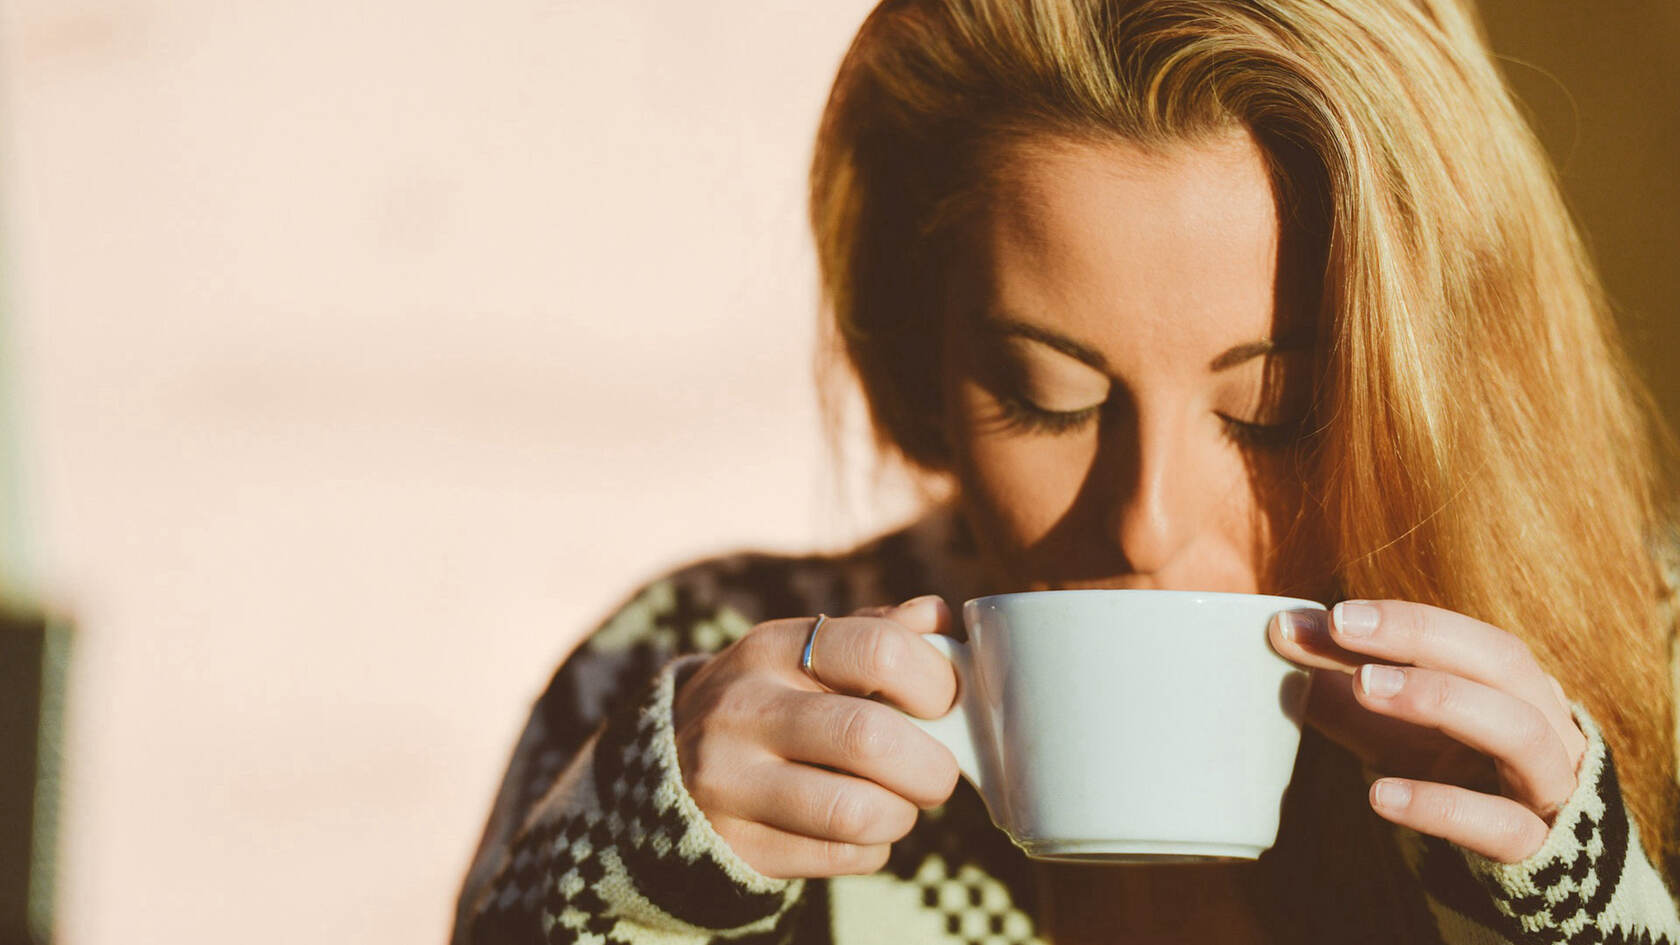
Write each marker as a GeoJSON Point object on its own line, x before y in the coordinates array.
{"type": "Point", "coordinates": [1136, 252]}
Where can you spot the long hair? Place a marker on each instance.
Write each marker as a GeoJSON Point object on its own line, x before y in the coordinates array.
{"type": "Point", "coordinates": [1481, 443]}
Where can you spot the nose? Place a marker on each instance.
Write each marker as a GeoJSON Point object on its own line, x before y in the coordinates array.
{"type": "Point", "coordinates": [1158, 504]}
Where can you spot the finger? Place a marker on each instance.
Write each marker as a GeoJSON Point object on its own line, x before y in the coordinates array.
{"type": "Point", "coordinates": [1496, 827]}
{"type": "Point", "coordinates": [1390, 744]}
{"type": "Point", "coordinates": [1436, 638]}
{"type": "Point", "coordinates": [926, 614]}
{"type": "Point", "coordinates": [782, 855]}
{"type": "Point", "coordinates": [866, 739]}
{"type": "Point", "coordinates": [882, 657]}
{"type": "Point", "coordinates": [1303, 637]}
{"type": "Point", "coordinates": [1531, 759]}
{"type": "Point", "coordinates": [878, 610]}
{"type": "Point", "coordinates": [1557, 689]}
{"type": "Point", "coordinates": [824, 805]}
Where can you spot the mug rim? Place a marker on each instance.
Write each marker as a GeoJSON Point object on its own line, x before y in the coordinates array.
{"type": "Point", "coordinates": [1298, 603]}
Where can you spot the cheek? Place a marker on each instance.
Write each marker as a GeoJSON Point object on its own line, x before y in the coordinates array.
{"type": "Point", "coordinates": [1292, 554]}
{"type": "Point", "coordinates": [1023, 483]}
{"type": "Point", "coordinates": [1224, 504]}
{"type": "Point", "coordinates": [1253, 507]}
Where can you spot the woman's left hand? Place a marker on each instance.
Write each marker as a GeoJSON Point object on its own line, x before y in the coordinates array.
{"type": "Point", "coordinates": [1480, 738]}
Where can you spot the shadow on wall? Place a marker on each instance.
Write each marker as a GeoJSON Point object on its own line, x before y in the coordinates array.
{"type": "Point", "coordinates": [33, 655]}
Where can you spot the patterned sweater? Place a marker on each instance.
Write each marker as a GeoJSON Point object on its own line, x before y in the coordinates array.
{"type": "Point", "coordinates": [593, 838]}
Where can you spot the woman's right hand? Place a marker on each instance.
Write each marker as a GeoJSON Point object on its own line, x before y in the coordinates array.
{"type": "Point", "coordinates": [803, 779]}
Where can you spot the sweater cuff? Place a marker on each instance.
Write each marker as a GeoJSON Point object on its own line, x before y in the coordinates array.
{"type": "Point", "coordinates": [1565, 884]}
{"type": "Point", "coordinates": [628, 844]}
{"type": "Point", "coordinates": [1590, 873]}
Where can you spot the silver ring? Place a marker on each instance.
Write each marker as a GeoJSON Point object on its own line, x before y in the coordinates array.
{"type": "Point", "coordinates": [810, 645]}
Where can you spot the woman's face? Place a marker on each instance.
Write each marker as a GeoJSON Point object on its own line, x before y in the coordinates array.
{"type": "Point", "coordinates": [1127, 374]}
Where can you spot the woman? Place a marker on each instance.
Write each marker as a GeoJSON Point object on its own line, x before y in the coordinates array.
{"type": "Point", "coordinates": [1248, 295]}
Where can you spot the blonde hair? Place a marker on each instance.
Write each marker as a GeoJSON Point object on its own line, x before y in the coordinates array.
{"type": "Point", "coordinates": [1482, 444]}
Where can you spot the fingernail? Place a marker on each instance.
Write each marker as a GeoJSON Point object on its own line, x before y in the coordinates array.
{"type": "Point", "coordinates": [1305, 627]}
{"type": "Point", "coordinates": [1355, 618]}
{"type": "Point", "coordinates": [1391, 794]}
{"type": "Point", "coordinates": [927, 602]}
{"type": "Point", "coordinates": [1380, 681]}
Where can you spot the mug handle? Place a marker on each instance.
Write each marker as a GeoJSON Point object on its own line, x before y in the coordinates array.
{"type": "Point", "coordinates": [952, 729]}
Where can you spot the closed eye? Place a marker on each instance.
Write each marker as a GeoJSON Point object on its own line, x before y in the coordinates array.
{"type": "Point", "coordinates": [1269, 436]}
{"type": "Point", "coordinates": [1021, 416]}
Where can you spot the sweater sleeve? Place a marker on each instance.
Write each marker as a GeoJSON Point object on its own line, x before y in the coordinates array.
{"type": "Point", "coordinates": [617, 851]}
{"type": "Point", "coordinates": [1590, 881]}
{"type": "Point", "coordinates": [593, 837]}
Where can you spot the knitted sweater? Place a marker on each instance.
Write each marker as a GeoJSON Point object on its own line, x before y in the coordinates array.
{"type": "Point", "coordinates": [593, 838]}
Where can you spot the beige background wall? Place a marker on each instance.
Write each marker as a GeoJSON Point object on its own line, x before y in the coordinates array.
{"type": "Point", "coordinates": [364, 353]}
{"type": "Point", "coordinates": [367, 353]}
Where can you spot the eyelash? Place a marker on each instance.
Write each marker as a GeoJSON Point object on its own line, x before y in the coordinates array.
{"type": "Point", "coordinates": [1023, 417]}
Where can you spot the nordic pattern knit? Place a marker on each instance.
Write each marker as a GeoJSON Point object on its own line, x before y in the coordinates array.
{"type": "Point", "coordinates": [593, 838]}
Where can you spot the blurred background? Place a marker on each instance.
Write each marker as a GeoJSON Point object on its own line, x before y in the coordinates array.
{"type": "Point", "coordinates": [357, 357]}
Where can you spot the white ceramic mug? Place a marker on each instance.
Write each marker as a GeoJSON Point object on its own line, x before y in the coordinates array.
{"type": "Point", "coordinates": [1122, 725]}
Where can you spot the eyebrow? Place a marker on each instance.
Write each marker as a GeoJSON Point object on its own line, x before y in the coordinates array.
{"type": "Point", "coordinates": [1004, 325]}
{"type": "Point", "coordinates": [1247, 351]}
